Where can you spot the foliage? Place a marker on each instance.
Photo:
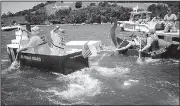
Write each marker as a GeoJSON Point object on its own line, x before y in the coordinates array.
{"type": "Point", "coordinates": [104, 4]}
{"type": "Point", "coordinates": [91, 14]}
{"type": "Point", "coordinates": [159, 9]}
{"type": "Point", "coordinates": [98, 14]}
{"type": "Point", "coordinates": [78, 4]}
{"type": "Point", "coordinates": [49, 2]}
{"type": "Point", "coordinates": [10, 14]}
{"type": "Point", "coordinates": [37, 17]}
{"type": "Point", "coordinates": [92, 4]}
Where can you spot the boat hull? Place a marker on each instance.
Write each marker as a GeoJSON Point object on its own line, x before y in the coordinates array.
{"type": "Point", "coordinates": [8, 28]}
{"type": "Point", "coordinates": [62, 64]}
{"type": "Point", "coordinates": [171, 51]}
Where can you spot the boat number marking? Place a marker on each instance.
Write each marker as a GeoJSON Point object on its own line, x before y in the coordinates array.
{"type": "Point", "coordinates": [31, 58]}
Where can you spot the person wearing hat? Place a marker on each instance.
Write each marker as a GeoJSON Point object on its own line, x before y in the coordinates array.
{"type": "Point", "coordinates": [37, 42]}
{"type": "Point", "coordinates": [170, 21]}
{"type": "Point", "coordinates": [58, 41]}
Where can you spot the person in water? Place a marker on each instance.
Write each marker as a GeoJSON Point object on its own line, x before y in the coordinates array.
{"type": "Point", "coordinates": [170, 21]}
{"type": "Point", "coordinates": [58, 41]}
{"type": "Point", "coordinates": [37, 42]}
{"type": "Point", "coordinates": [149, 42]}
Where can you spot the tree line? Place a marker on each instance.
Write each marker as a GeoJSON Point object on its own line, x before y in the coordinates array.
{"type": "Point", "coordinates": [93, 13]}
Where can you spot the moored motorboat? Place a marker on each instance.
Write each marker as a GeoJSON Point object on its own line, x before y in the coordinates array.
{"type": "Point", "coordinates": [9, 28]}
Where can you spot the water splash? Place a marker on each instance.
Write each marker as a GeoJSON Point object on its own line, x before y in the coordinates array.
{"type": "Point", "coordinates": [79, 85]}
{"type": "Point", "coordinates": [108, 48]}
{"type": "Point", "coordinates": [168, 83]}
{"type": "Point", "coordinates": [140, 61]}
{"type": "Point", "coordinates": [111, 72]}
{"type": "Point", "coordinates": [128, 83]}
{"type": "Point", "coordinates": [96, 63]}
{"type": "Point", "coordinates": [150, 60]}
{"type": "Point", "coordinates": [5, 60]}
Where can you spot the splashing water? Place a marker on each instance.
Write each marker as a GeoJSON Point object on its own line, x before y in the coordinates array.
{"type": "Point", "coordinates": [150, 60]}
{"type": "Point", "coordinates": [111, 72]}
{"type": "Point", "coordinates": [79, 84]}
{"type": "Point", "coordinates": [140, 61]}
{"type": "Point", "coordinates": [108, 48]}
{"type": "Point", "coordinates": [15, 65]}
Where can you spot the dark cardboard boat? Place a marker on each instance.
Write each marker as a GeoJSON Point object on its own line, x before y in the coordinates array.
{"type": "Point", "coordinates": [65, 64]}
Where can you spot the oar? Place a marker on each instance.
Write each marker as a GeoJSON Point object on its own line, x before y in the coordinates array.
{"type": "Point", "coordinates": [15, 64]}
{"type": "Point", "coordinates": [139, 59]}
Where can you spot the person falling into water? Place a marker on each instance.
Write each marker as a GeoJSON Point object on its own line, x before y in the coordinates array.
{"type": "Point", "coordinates": [113, 34]}
{"type": "Point", "coordinates": [37, 42]}
{"type": "Point", "coordinates": [149, 41]}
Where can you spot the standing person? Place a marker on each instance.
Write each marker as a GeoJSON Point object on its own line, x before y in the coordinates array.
{"type": "Point", "coordinates": [37, 42]}
{"type": "Point", "coordinates": [58, 41]}
{"type": "Point", "coordinates": [170, 21]}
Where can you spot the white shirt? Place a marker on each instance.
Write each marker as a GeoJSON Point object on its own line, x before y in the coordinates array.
{"type": "Point", "coordinates": [170, 19]}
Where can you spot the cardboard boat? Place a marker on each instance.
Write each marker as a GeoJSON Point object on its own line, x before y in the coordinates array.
{"type": "Point", "coordinates": [62, 64]}
{"type": "Point", "coordinates": [171, 51]}
{"type": "Point", "coordinates": [66, 64]}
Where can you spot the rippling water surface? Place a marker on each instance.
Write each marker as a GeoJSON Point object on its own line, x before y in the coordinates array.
{"type": "Point", "coordinates": [110, 79]}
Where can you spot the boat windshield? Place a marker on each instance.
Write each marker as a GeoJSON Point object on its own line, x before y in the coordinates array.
{"type": "Point", "coordinates": [137, 16]}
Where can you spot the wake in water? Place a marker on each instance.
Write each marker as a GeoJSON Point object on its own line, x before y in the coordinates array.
{"type": "Point", "coordinates": [150, 60]}
{"type": "Point", "coordinates": [111, 72]}
{"type": "Point", "coordinates": [79, 87]}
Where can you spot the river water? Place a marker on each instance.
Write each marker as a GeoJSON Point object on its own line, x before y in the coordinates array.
{"type": "Point", "coordinates": [110, 80]}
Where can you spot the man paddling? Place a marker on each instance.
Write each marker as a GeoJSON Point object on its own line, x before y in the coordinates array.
{"type": "Point", "coordinates": [37, 42]}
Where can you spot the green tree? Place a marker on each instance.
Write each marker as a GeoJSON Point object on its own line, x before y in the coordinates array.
{"type": "Point", "coordinates": [4, 15]}
{"type": "Point", "coordinates": [10, 14]}
{"type": "Point", "coordinates": [78, 4]}
{"type": "Point", "coordinates": [92, 4]}
{"type": "Point", "coordinates": [159, 9]}
{"type": "Point", "coordinates": [104, 4]}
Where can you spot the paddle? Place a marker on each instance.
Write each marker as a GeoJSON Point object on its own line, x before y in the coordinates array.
{"type": "Point", "coordinates": [139, 59]}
